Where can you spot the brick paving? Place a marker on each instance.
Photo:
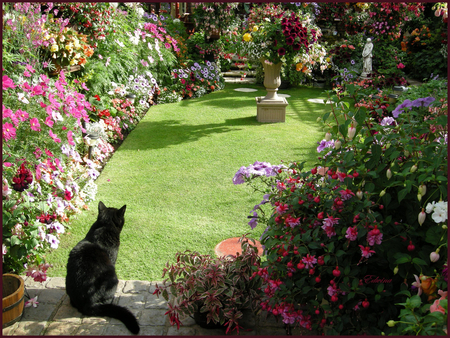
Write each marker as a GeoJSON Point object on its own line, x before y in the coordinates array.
{"type": "Point", "coordinates": [55, 316]}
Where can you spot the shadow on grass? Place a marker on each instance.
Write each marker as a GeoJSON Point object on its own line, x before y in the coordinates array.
{"type": "Point", "coordinates": [166, 133]}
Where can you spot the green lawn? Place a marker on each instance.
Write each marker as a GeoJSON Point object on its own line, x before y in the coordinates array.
{"type": "Point", "coordinates": [174, 172]}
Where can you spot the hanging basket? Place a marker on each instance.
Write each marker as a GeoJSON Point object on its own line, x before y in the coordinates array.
{"type": "Point", "coordinates": [13, 303]}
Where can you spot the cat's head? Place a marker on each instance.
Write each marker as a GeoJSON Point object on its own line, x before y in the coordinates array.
{"type": "Point", "coordinates": [113, 215]}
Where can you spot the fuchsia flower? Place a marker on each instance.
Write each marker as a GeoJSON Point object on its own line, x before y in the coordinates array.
{"type": "Point", "coordinates": [352, 233]}
{"type": "Point", "coordinates": [374, 236]}
{"type": "Point", "coordinates": [366, 252]}
{"type": "Point", "coordinates": [309, 261]}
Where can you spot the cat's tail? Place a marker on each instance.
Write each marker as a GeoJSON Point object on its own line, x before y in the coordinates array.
{"type": "Point", "coordinates": [116, 312]}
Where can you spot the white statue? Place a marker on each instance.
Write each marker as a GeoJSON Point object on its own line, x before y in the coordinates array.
{"type": "Point", "coordinates": [367, 58]}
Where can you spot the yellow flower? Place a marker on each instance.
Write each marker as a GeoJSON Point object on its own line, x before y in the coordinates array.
{"type": "Point", "coordinates": [54, 48]}
{"type": "Point", "coordinates": [247, 37]}
{"type": "Point", "coordinates": [328, 59]}
{"type": "Point", "coordinates": [73, 61]}
{"type": "Point", "coordinates": [255, 28]}
{"type": "Point", "coordinates": [299, 67]}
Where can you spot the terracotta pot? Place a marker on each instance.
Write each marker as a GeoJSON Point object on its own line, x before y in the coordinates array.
{"type": "Point", "coordinates": [13, 288]}
{"type": "Point", "coordinates": [272, 79]}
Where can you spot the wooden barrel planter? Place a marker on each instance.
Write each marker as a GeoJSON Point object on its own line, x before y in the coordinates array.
{"type": "Point", "coordinates": [13, 303]}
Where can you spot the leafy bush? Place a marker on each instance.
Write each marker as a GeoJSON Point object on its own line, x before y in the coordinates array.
{"type": "Point", "coordinates": [345, 239]}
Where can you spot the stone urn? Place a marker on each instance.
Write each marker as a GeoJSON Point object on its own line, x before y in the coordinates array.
{"type": "Point", "coordinates": [272, 79]}
{"type": "Point", "coordinates": [271, 108]}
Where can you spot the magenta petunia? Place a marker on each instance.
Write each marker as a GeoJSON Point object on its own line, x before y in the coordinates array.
{"type": "Point", "coordinates": [34, 124]}
{"type": "Point", "coordinates": [282, 51]}
{"type": "Point", "coordinates": [9, 132]}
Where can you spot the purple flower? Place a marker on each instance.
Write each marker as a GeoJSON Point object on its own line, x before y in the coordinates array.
{"type": "Point", "coordinates": [325, 144]}
{"type": "Point", "coordinates": [254, 220]}
{"type": "Point", "coordinates": [387, 121]}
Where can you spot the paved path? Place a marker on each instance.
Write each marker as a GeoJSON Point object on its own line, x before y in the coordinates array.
{"type": "Point", "coordinates": [55, 316]}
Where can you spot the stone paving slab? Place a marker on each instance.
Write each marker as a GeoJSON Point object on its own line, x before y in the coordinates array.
{"type": "Point", "coordinates": [55, 316]}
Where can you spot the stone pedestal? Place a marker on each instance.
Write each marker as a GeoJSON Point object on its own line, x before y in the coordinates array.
{"type": "Point", "coordinates": [271, 108]}
{"type": "Point", "coordinates": [269, 111]}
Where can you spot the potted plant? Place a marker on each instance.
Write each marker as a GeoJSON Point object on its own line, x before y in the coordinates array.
{"type": "Point", "coordinates": [212, 290]}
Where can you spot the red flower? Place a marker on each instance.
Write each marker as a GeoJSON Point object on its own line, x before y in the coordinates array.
{"type": "Point", "coordinates": [67, 195]}
{"type": "Point", "coordinates": [23, 179]}
{"type": "Point", "coordinates": [281, 51]}
{"type": "Point", "coordinates": [97, 97]}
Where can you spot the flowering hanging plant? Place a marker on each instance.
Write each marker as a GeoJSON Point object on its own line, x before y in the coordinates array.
{"type": "Point", "coordinates": [214, 16]}
{"type": "Point", "coordinates": [283, 36]}
{"type": "Point", "coordinates": [65, 47]}
{"type": "Point", "coordinates": [346, 239]}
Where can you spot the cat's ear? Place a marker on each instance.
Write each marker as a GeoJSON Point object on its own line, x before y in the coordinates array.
{"type": "Point", "coordinates": [122, 211]}
{"type": "Point", "coordinates": [101, 206]}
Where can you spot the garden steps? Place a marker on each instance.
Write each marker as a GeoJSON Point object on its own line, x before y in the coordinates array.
{"type": "Point", "coordinates": [239, 73]}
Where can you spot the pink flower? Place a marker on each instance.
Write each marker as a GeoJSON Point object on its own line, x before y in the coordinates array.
{"type": "Point", "coordinates": [418, 285]}
{"type": "Point", "coordinates": [83, 85]}
{"type": "Point", "coordinates": [70, 138]}
{"type": "Point", "coordinates": [30, 69]}
{"type": "Point", "coordinates": [366, 252]}
{"type": "Point", "coordinates": [7, 83]}
{"type": "Point", "coordinates": [374, 236]}
{"type": "Point", "coordinates": [32, 302]}
{"type": "Point", "coordinates": [9, 132]}
{"type": "Point", "coordinates": [37, 90]}
{"type": "Point", "coordinates": [328, 225]}
{"type": "Point", "coordinates": [49, 122]}
{"type": "Point", "coordinates": [6, 112]}
{"type": "Point", "coordinates": [281, 209]}
{"type": "Point", "coordinates": [352, 233]}
{"type": "Point", "coordinates": [22, 115]}
{"type": "Point", "coordinates": [291, 221]}
{"type": "Point", "coordinates": [26, 73]}
{"type": "Point", "coordinates": [436, 307]}
{"type": "Point", "coordinates": [34, 124]}
{"type": "Point", "coordinates": [144, 63]}
{"type": "Point", "coordinates": [400, 66]}
{"type": "Point", "coordinates": [309, 261]}
{"type": "Point", "coordinates": [54, 137]}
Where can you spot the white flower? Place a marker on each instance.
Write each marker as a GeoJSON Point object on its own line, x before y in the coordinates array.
{"type": "Point", "coordinates": [430, 207]}
{"type": "Point", "coordinates": [120, 43]}
{"type": "Point", "coordinates": [22, 98]}
{"type": "Point", "coordinates": [440, 212]}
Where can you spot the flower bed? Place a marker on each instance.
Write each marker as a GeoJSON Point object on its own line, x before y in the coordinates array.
{"type": "Point", "coordinates": [363, 230]}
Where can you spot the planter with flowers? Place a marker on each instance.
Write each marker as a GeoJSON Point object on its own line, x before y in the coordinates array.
{"type": "Point", "coordinates": [365, 230]}
{"type": "Point", "coordinates": [212, 290]}
{"type": "Point", "coordinates": [282, 38]}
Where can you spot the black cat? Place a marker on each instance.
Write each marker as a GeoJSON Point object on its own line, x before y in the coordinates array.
{"type": "Point", "coordinates": [91, 280]}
